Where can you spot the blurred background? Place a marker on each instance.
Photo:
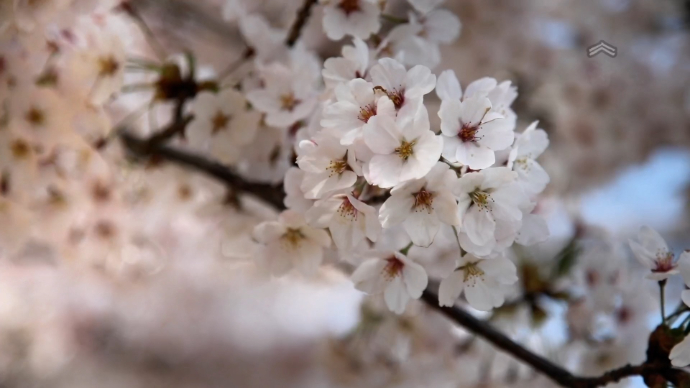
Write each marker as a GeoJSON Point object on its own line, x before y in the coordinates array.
{"type": "Point", "coordinates": [619, 158]}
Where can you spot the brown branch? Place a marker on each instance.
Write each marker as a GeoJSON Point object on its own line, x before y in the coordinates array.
{"type": "Point", "coordinates": [271, 194]}
{"type": "Point", "coordinates": [500, 340]}
{"type": "Point", "coordinates": [300, 22]}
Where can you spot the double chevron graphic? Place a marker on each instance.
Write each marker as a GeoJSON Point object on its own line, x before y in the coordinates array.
{"type": "Point", "coordinates": [602, 47]}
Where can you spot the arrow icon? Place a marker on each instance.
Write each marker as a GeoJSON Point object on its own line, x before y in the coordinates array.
{"type": "Point", "coordinates": [602, 46]}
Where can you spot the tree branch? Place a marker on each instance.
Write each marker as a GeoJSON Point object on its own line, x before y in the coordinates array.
{"type": "Point", "coordinates": [500, 340]}
{"type": "Point", "coordinates": [271, 194]}
{"type": "Point", "coordinates": [300, 22]}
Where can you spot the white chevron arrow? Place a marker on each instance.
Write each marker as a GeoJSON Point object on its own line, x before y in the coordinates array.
{"type": "Point", "coordinates": [604, 47]}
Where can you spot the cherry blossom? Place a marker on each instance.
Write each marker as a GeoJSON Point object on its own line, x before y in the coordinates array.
{"type": "Point", "coordinates": [354, 63]}
{"type": "Point", "coordinates": [222, 124]}
{"type": "Point", "coordinates": [488, 204]}
{"type": "Point", "coordinates": [406, 88]}
{"type": "Point", "coordinates": [421, 205]}
{"type": "Point", "coordinates": [290, 243]}
{"type": "Point", "coordinates": [481, 279]}
{"type": "Point", "coordinates": [393, 274]}
{"type": "Point", "coordinates": [473, 132]}
{"type": "Point", "coordinates": [328, 166]}
{"type": "Point", "coordinates": [286, 96]}
{"type": "Point", "coordinates": [349, 220]}
{"type": "Point", "coordinates": [651, 250]}
{"type": "Point", "coordinates": [522, 159]}
{"type": "Point", "coordinates": [359, 18]}
{"type": "Point", "coordinates": [403, 149]}
{"type": "Point", "coordinates": [356, 104]}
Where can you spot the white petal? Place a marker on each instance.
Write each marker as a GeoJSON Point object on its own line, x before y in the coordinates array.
{"type": "Point", "coordinates": [385, 170]}
{"type": "Point", "coordinates": [482, 297]}
{"type": "Point", "coordinates": [396, 209]}
{"type": "Point", "coordinates": [422, 226]}
{"type": "Point", "coordinates": [367, 277]}
{"type": "Point", "coordinates": [479, 225]}
{"type": "Point", "coordinates": [419, 81]}
{"type": "Point", "coordinates": [680, 354]}
{"type": "Point", "coordinates": [448, 86]}
{"type": "Point", "coordinates": [382, 136]}
{"type": "Point", "coordinates": [475, 156]}
{"type": "Point", "coordinates": [415, 279]}
{"type": "Point", "coordinates": [396, 296]}
{"type": "Point", "coordinates": [450, 289]}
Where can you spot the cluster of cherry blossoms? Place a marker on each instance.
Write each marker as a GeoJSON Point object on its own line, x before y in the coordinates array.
{"type": "Point", "coordinates": [372, 169]}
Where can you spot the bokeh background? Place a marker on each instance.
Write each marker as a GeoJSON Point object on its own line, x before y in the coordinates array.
{"type": "Point", "coordinates": [619, 158]}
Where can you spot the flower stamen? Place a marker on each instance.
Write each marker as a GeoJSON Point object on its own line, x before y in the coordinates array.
{"type": "Point", "coordinates": [406, 149]}
{"type": "Point", "coordinates": [393, 268]}
{"type": "Point", "coordinates": [423, 200]}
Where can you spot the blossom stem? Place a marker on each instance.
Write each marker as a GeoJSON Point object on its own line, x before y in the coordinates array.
{"type": "Point", "coordinates": [662, 286]}
{"type": "Point", "coordinates": [131, 10]}
{"type": "Point", "coordinates": [297, 27]}
{"type": "Point", "coordinates": [406, 249]}
{"type": "Point", "coordinates": [393, 19]}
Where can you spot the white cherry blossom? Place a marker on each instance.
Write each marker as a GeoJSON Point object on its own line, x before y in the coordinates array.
{"type": "Point", "coordinates": [481, 279]}
{"type": "Point", "coordinates": [489, 204]}
{"type": "Point", "coordinates": [349, 220]}
{"type": "Point", "coordinates": [393, 274]}
{"type": "Point", "coordinates": [522, 159]}
{"type": "Point", "coordinates": [472, 132]}
{"type": "Point", "coordinates": [286, 96]}
{"type": "Point", "coordinates": [359, 18]}
{"type": "Point", "coordinates": [406, 88]}
{"type": "Point", "coordinates": [222, 124]}
{"type": "Point", "coordinates": [422, 205]}
{"type": "Point", "coordinates": [403, 149]}
{"type": "Point", "coordinates": [327, 164]}
{"type": "Point", "coordinates": [356, 104]}
{"type": "Point", "coordinates": [651, 250]}
{"type": "Point", "coordinates": [290, 243]}
{"type": "Point", "coordinates": [354, 63]}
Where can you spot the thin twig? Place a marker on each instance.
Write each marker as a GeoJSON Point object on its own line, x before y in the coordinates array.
{"type": "Point", "coordinates": [302, 18]}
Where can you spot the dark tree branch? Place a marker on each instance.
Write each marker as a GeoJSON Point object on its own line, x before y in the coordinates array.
{"type": "Point", "coordinates": [500, 340]}
{"type": "Point", "coordinates": [272, 195]}
{"type": "Point", "coordinates": [300, 22]}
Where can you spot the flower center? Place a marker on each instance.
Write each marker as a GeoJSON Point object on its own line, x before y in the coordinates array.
{"type": "Point", "coordinates": [349, 6]}
{"type": "Point", "coordinates": [664, 261]}
{"type": "Point", "coordinates": [347, 210]}
{"type": "Point", "coordinates": [219, 122]}
{"type": "Point", "coordinates": [472, 272]}
{"type": "Point", "coordinates": [337, 167]}
{"type": "Point", "coordinates": [397, 96]}
{"type": "Point", "coordinates": [35, 117]}
{"type": "Point", "coordinates": [423, 200]}
{"type": "Point", "coordinates": [393, 268]}
{"type": "Point", "coordinates": [468, 133]}
{"type": "Point", "coordinates": [20, 149]}
{"type": "Point", "coordinates": [367, 112]}
{"type": "Point", "coordinates": [288, 102]}
{"type": "Point", "coordinates": [480, 198]}
{"type": "Point", "coordinates": [107, 66]}
{"type": "Point", "coordinates": [406, 149]}
{"type": "Point", "coordinates": [293, 237]}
